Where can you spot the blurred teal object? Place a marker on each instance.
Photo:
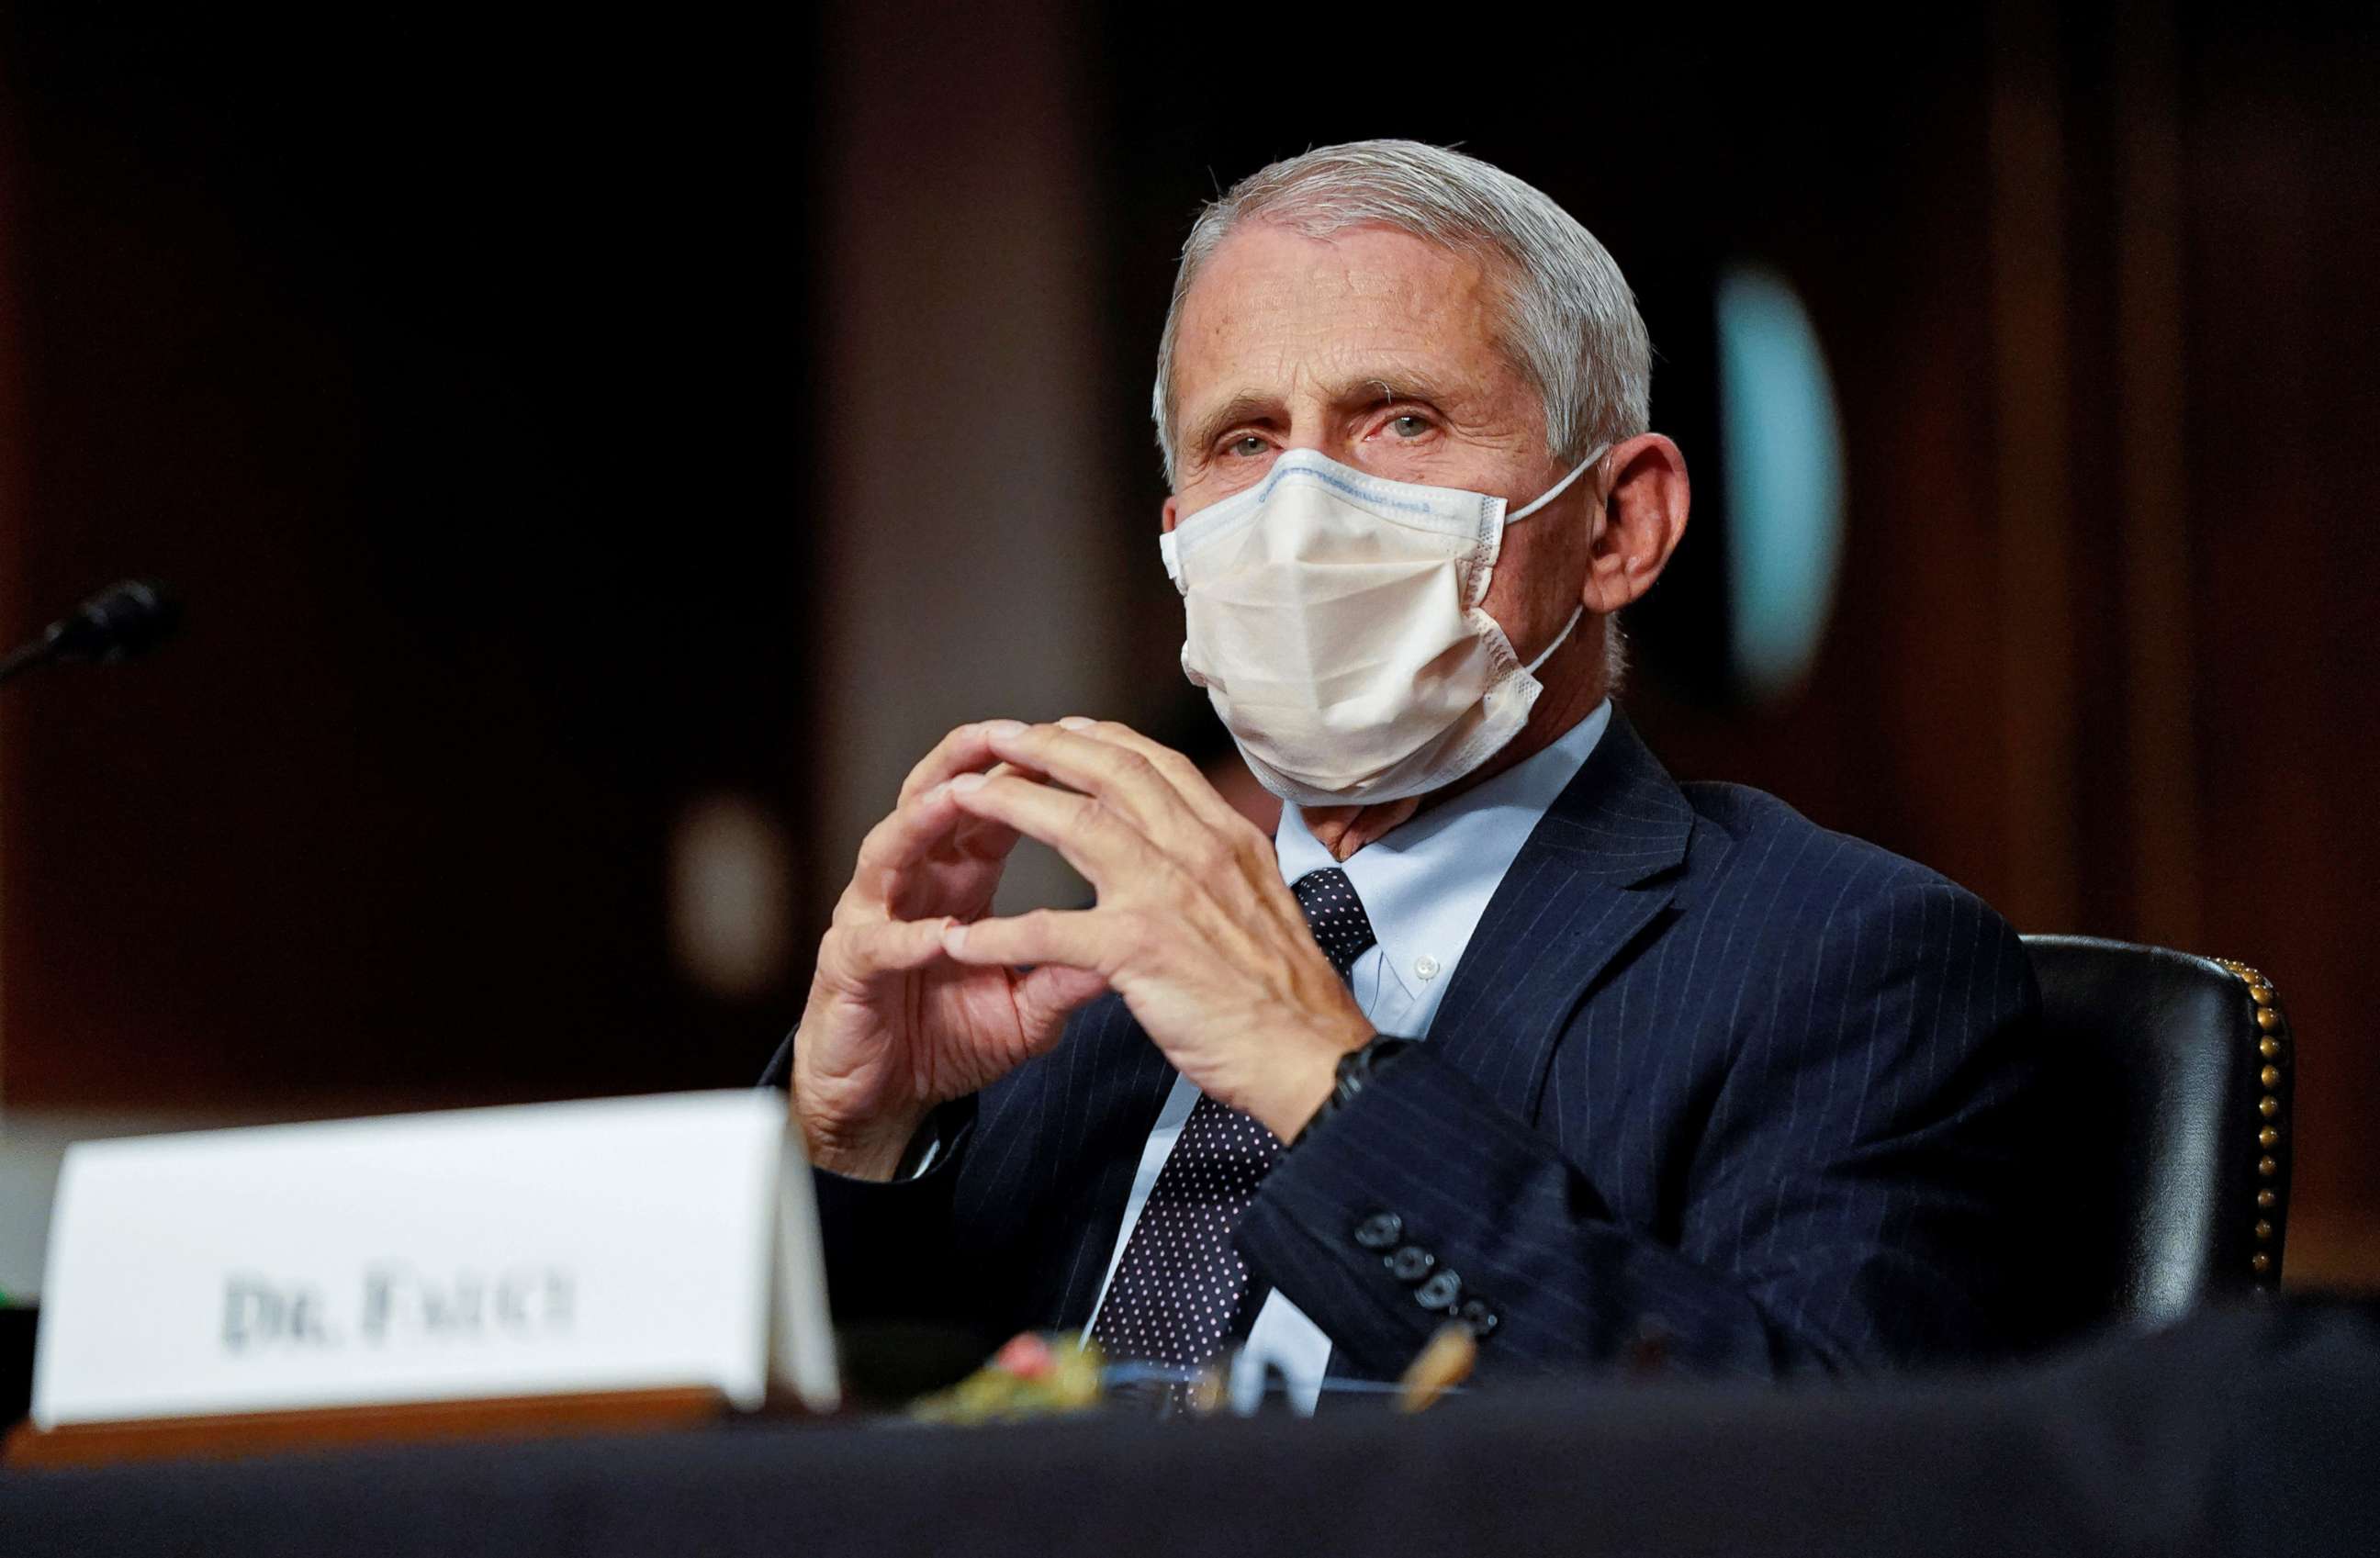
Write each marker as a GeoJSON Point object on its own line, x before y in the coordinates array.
{"type": "Point", "coordinates": [1783, 448]}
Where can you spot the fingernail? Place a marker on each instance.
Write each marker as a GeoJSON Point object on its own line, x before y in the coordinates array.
{"type": "Point", "coordinates": [1075, 722]}
{"type": "Point", "coordinates": [1003, 727]}
{"type": "Point", "coordinates": [967, 781]}
{"type": "Point", "coordinates": [936, 793]}
{"type": "Point", "coordinates": [954, 936]}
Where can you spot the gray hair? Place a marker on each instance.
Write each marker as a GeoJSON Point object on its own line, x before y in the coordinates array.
{"type": "Point", "coordinates": [1572, 325]}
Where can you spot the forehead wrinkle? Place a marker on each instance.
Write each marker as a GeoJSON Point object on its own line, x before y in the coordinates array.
{"type": "Point", "coordinates": [1399, 384]}
{"type": "Point", "coordinates": [1343, 392]}
{"type": "Point", "coordinates": [1336, 321]}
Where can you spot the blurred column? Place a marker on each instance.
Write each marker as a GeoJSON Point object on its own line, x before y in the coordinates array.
{"type": "Point", "coordinates": [970, 540]}
{"type": "Point", "coordinates": [2031, 421]}
{"type": "Point", "coordinates": [12, 487]}
{"type": "Point", "coordinates": [2160, 734]}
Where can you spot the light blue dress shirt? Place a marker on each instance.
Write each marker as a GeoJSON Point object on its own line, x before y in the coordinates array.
{"type": "Point", "coordinates": [1424, 887]}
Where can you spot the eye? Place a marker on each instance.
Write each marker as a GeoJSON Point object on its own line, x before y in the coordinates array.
{"type": "Point", "coordinates": [1247, 446]}
{"type": "Point", "coordinates": [1411, 425]}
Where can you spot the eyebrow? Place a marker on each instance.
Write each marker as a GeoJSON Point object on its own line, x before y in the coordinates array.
{"type": "Point", "coordinates": [1239, 408]}
{"type": "Point", "coordinates": [1370, 390]}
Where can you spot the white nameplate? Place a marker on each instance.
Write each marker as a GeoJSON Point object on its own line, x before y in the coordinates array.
{"type": "Point", "coordinates": [614, 1245]}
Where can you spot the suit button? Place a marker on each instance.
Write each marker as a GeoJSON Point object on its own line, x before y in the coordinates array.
{"type": "Point", "coordinates": [1409, 1264]}
{"type": "Point", "coordinates": [1482, 1319]}
{"type": "Point", "coordinates": [1440, 1291]}
{"type": "Point", "coordinates": [1379, 1230]}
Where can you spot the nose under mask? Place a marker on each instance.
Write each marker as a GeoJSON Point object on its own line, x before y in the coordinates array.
{"type": "Point", "coordinates": [1334, 619]}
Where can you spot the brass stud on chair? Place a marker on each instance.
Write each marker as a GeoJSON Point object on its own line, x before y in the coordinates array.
{"type": "Point", "coordinates": [2271, 1031]}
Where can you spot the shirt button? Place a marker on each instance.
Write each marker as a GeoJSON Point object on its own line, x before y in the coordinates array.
{"type": "Point", "coordinates": [1425, 967]}
{"type": "Point", "coordinates": [1379, 1230]}
{"type": "Point", "coordinates": [1410, 1263]}
{"type": "Point", "coordinates": [1440, 1291]}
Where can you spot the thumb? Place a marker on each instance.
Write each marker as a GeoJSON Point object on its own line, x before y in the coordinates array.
{"type": "Point", "coordinates": [1047, 994]}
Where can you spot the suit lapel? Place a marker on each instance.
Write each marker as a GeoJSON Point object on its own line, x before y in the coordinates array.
{"type": "Point", "coordinates": [1597, 868]}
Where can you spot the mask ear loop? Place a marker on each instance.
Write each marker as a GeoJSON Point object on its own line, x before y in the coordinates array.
{"type": "Point", "coordinates": [1558, 488]}
{"type": "Point", "coordinates": [1578, 614]}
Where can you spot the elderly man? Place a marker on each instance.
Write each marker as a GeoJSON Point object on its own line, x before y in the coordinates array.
{"type": "Point", "coordinates": [1504, 1026]}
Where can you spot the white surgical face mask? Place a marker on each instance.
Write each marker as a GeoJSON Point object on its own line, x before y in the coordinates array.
{"type": "Point", "coordinates": [1334, 620]}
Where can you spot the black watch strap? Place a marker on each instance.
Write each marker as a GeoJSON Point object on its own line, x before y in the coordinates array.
{"type": "Point", "coordinates": [1357, 1067]}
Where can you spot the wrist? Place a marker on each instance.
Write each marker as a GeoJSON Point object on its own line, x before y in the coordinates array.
{"type": "Point", "coordinates": [1304, 1086]}
{"type": "Point", "coordinates": [1356, 1070]}
{"type": "Point", "coordinates": [870, 1149]}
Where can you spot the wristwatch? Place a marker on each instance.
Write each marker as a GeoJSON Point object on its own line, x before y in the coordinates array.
{"type": "Point", "coordinates": [1356, 1069]}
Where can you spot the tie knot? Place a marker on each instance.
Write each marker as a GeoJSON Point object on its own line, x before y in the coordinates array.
{"type": "Point", "coordinates": [1336, 916]}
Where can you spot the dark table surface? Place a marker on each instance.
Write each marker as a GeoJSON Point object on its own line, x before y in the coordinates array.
{"type": "Point", "coordinates": [2253, 1431]}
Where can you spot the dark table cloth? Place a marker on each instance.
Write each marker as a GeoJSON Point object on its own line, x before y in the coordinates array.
{"type": "Point", "coordinates": [2249, 1432]}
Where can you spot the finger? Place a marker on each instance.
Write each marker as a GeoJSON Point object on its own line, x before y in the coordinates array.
{"type": "Point", "coordinates": [982, 840]}
{"type": "Point", "coordinates": [1082, 939]}
{"type": "Point", "coordinates": [1195, 789]}
{"type": "Point", "coordinates": [852, 955]}
{"type": "Point", "coordinates": [891, 853]}
{"type": "Point", "coordinates": [1093, 838]}
{"type": "Point", "coordinates": [896, 846]}
{"type": "Point", "coordinates": [1117, 774]}
{"type": "Point", "coordinates": [966, 750]}
{"type": "Point", "coordinates": [1047, 994]}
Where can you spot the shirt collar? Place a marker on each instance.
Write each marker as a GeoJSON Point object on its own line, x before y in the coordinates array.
{"type": "Point", "coordinates": [1426, 883]}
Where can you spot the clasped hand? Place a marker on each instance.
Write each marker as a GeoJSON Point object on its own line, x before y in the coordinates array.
{"type": "Point", "coordinates": [919, 999]}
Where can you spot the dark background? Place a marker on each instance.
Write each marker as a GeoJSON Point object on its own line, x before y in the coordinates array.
{"type": "Point", "coordinates": [554, 425]}
{"type": "Point", "coordinates": [452, 367]}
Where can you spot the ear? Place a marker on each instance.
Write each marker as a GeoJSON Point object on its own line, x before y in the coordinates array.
{"type": "Point", "coordinates": [1643, 519]}
{"type": "Point", "coordinates": [1170, 515]}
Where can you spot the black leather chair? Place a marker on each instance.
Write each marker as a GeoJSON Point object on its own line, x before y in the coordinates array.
{"type": "Point", "coordinates": [2179, 1072]}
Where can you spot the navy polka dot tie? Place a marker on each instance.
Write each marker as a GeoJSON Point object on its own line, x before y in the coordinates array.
{"type": "Point", "coordinates": [1335, 915]}
{"type": "Point", "coordinates": [1179, 1291]}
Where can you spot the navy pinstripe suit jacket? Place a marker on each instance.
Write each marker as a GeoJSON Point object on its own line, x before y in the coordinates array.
{"type": "Point", "coordinates": [1712, 1084]}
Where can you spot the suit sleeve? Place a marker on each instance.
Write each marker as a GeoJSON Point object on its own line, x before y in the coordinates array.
{"type": "Point", "coordinates": [886, 1245]}
{"type": "Point", "coordinates": [1853, 1201]}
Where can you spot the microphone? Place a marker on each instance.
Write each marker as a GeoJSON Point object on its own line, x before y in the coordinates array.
{"type": "Point", "coordinates": [128, 617]}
